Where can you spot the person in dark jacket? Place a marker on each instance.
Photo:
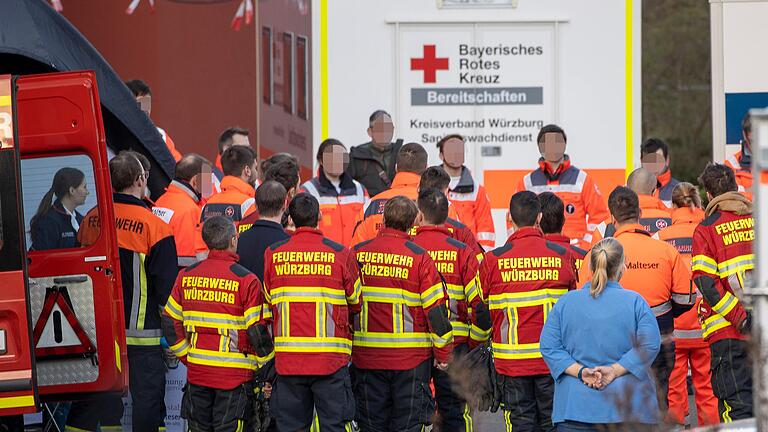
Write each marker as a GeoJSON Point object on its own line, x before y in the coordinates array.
{"type": "Point", "coordinates": [56, 223]}
{"type": "Point", "coordinates": [373, 163]}
{"type": "Point", "coordinates": [271, 203]}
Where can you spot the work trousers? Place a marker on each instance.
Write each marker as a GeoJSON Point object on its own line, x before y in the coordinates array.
{"type": "Point", "coordinates": [146, 381]}
{"type": "Point", "coordinates": [213, 410]}
{"type": "Point", "coordinates": [662, 367]}
{"type": "Point", "coordinates": [527, 402]}
{"type": "Point", "coordinates": [393, 400]}
{"type": "Point", "coordinates": [732, 379]}
{"type": "Point", "coordinates": [296, 397]}
{"type": "Point", "coordinates": [573, 426]}
{"type": "Point", "coordinates": [453, 410]}
{"type": "Point", "coordinates": [706, 403]}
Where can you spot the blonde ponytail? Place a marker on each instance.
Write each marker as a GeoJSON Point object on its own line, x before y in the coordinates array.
{"type": "Point", "coordinates": [607, 263]}
{"type": "Point", "coordinates": [686, 195]}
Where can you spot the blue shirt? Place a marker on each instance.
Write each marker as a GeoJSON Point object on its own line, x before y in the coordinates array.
{"type": "Point", "coordinates": [616, 327]}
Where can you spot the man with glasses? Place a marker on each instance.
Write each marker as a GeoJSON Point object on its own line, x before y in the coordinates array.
{"type": "Point", "coordinates": [373, 163]}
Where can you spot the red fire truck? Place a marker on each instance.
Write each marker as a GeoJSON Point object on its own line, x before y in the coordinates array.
{"type": "Point", "coordinates": [62, 325]}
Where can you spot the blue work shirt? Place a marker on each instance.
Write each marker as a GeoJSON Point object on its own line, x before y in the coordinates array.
{"type": "Point", "coordinates": [616, 327]}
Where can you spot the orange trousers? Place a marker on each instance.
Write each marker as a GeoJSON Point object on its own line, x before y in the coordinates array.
{"type": "Point", "coordinates": [706, 402]}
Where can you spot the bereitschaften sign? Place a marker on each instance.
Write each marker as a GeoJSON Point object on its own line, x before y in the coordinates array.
{"type": "Point", "coordinates": [494, 84]}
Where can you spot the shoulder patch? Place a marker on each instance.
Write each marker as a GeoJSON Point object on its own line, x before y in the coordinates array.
{"type": "Point", "coordinates": [239, 270]}
{"type": "Point", "coordinates": [556, 247]}
{"type": "Point", "coordinates": [455, 223]}
{"type": "Point", "coordinates": [190, 267]}
{"type": "Point", "coordinates": [276, 245]}
{"type": "Point", "coordinates": [453, 242]}
{"type": "Point", "coordinates": [361, 244]}
{"type": "Point", "coordinates": [414, 247]}
{"type": "Point", "coordinates": [711, 219]}
{"type": "Point", "coordinates": [333, 245]}
{"type": "Point", "coordinates": [503, 249]}
{"type": "Point", "coordinates": [578, 250]}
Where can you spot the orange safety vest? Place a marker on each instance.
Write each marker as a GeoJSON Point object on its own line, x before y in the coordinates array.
{"type": "Point", "coordinates": [339, 208]}
{"type": "Point", "coordinates": [654, 215]}
{"type": "Point", "coordinates": [236, 200]}
{"type": "Point", "coordinates": [473, 208]}
{"type": "Point", "coordinates": [180, 208]}
{"type": "Point", "coordinates": [743, 174]}
{"type": "Point", "coordinates": [371, 217]}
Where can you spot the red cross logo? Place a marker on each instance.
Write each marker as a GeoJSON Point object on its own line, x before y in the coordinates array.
{"type": "Point", "coordinates": [430, 64]}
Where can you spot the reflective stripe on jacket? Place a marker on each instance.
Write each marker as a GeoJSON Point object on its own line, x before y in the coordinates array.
{"type": "Point", "coordinates": [473, 208]}
{"type": "Point", "coordinates": [237, 200]}
{"type": "Point", "coordinates": [340, 209]}
{"type": "Point", "coordinates": [371, 217]}
{"type": "Point", "coordinates": [180, 208]}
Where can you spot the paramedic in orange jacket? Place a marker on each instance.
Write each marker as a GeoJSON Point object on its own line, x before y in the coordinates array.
{"type": "Point", "coordinates": [143, 95]}
{"type": "Point", "coordinates": [403, 330]}
{"type": "Point", "coordinates": [741, 162]}
{"type": "Point", "coordinates": [180, 207]}
{"type": "Point", "coordinates": [237, 197]}
{"type": "Point", "coordinates": [551, 224]}
{"type": "Point", "coordinates": [584, 205]}
{"type": "Point", "coordinates": [457, 264]}
{"type": "Point", "coordinates": [654, 214]}
{"type": "Point", "coordinates": [722, 263]}
{"type": "Point", "coordinates": [411, 162]}
{"type": "Point", "coordinates": [654, 154]}
{"type": "Point", "coordinates": [232, 136]}
{"type": "Point", "coordinates": [341, 197]}
{"type": "Point", "coordinates": [656, 271]}
{"type": "Point", "coordinates": [209, 323]}
{"type": "Point", "coordinates": [312, 289]}
{"type": "Point", "coordinates": [690, 346]}
{"type": "Point", "coordinates": [468, 197]}
{"type": "Point", "coordinates": [521, 282]}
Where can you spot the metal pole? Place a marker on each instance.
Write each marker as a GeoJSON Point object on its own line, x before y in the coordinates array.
{"type": "Point", "coordinates": [758, 291]}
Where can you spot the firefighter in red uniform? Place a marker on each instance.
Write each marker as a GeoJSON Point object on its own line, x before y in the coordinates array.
{"type": "Point", "coordinates": [403, 330]}
{"type": "Point", "coordinates": [180, 207]}
{"type": "Point", "coordinates": [584, 205]}
{"type": "Point", "coordinates": [312, 288]}
{"type": "Point", "coordinates": [654, 214]}
{"type": "Point", "coordinates": [236, 199]}
{"type": "Point", "coordinates": [690, 346]}
{"type": "Point", "coordinates": [437, 178]}
{"type": "Point", "coordinates": [722, 264]}
{"type": "Point", "coordinates": [552, 220]}
{"type": "Point", "coordinates": [521, 281]}
{"type": "Point", "coordinates": [148, 267]}
{"type": "Point", "coordinates": [741, 162]}
{"type": "Point", "coordinates": [209, 322]}
{"type": "Point", "coordinates": [468, 197]}
{"type": "Point", "coordinates": [456, 263]}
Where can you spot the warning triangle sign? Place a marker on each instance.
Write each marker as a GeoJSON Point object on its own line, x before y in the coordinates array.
{"type": "Point", "coordinates": [57, 332]}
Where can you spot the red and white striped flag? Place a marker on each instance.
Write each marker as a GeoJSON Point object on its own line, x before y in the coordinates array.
{"type": "Point", "coordinates": [135, 3]}
{"type": "Point", "coordinates": [57, 5]}
{"type": "Point", "coordinates": [244, 14]}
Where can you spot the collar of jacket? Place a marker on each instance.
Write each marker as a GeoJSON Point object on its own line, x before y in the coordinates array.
{"type": "Point", "coordinates": [664, 178]}
{"type": "Point", "coordinates": [466, 182]}
{"type": "Point", "coordinates": [442, 229]}
{"type": "Point", "coordinates": [559, 239]}
{"type": "Point", "coordinates": [346, 181]}
{"type": "Point", "coordinates": [650, 202]}
{"type": "Point", "coordinates": [391, 232]}
{"type": "Point", "coordinates": [59, 207]}
{"type": "Point", "coordinates": [631, 228]}
{"type": "Point", "coordinates": [365, 151]}
{"type": "Point", "coordinates": [236, 183]}
{"type": "Point", "coordinates": [687, 215]}
{"type": "Point", "coordinates": [731, 202]}
{"type": "Point", "coordinates": [223, 255]}
{"type": "Point", "coordinates": [307, 230]}
{"type": "Point", "coordinates": [546, 168]}
{"type": "Point", "coordinates": [185, 187]}
{"type": "Point", "coordinates": [525, 232]}
{"type": "Point", "coordinates": [121, 198]}
{"type": "Point", "coordinates": [267, 224]}
{"type": "Point", "coordinates": [405, 179]}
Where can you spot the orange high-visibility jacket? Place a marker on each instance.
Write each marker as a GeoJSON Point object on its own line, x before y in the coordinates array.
{"type": "Point", "coordinates": [371, 217]}
{"type": "Point", "coordinates": [584, 205]}
{"type": "Point", "coordinates": [340, 208]}
{"type": "Point", "coordinates": [235, 201]}
{"type": "Point", "coordinates": [169, 143]}
{"type": "Point", "coordinates": [654, 215]}
{"type": "Point", "coordinates": [473, 208]}
{"type": "Point", "coordinates": [688, 332]}
{"type": "Point", "coordinates": [722, 264]}
{"type": "Point", "coordinates": [521, 282]}
{"type": "Point", "coordinates": [180, 208]}
{"type": "Point", "coordinates": [656, 271]}
{"type": "Point", "coordinates": [743, 173]}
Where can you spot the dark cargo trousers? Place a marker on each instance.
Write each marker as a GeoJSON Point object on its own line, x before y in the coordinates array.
{"type": "Point", "coordinates": [732, 379]}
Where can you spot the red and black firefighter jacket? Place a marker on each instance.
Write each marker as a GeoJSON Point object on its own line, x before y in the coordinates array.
{"type": "Point", "coordinates": [404, 320]}
{"type": "Point", "coordinates": [458, 267]}
{"type": "Point", "coordinates": [148, 267]}
{"type": "Point", "coordinates": [522, 281]}
{"type": "Point", "coordinates": [311, 288]}
{"type": "Point", "coordinates": [576, 253]}
{"type": "Point", "coordinates": [212, 305]}
{"type": "Point", "coordinates": [722, 264]}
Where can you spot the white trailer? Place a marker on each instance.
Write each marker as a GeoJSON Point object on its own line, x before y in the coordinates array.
{"type": "Point", "coordinates": [495, 71]}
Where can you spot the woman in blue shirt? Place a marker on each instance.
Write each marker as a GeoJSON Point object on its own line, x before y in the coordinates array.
{"type": "Point", "coordinates": [599, 343]}
{"type": "Point", "coordinates": [56, 222]}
